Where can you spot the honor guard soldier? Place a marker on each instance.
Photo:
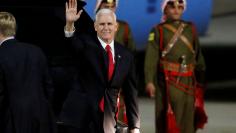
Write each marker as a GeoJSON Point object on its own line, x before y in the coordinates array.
{"type": "Point", "coordinates": [174, 72]}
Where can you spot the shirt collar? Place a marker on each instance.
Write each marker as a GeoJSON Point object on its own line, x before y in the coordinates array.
{"type": "Point", "coordinates": [104, 44]}
{"type": "Point", "coordinates": [111, 45]}
{"type": "Point", "coordinates": [8, 38]}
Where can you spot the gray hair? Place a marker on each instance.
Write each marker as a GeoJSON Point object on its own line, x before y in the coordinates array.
{"type": "Point", "coordinates": [105, 11]}
{"type": "Point", "coordinates": [7, 24]}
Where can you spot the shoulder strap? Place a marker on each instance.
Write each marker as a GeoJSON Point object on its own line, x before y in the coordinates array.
{"type": "Point", "coordinates": [126, 34]}
{"type": "Point", "coordinates": [194, 34]}
{"type": "Point", "coordinates": [161, 37]}
{"type": "Point", "coordinates": [194, 31]}
{"type": "Point", "coordinates": [173, 40]}
{"type": "Point", "coordinates": [182, 37]}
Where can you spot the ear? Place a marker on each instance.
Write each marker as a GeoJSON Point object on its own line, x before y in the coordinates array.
{"type": "Point", "coordinates": [95, 25]}
{"type": "Point", "coordinates": [116, 26]}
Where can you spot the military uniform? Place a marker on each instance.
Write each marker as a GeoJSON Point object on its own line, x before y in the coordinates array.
{"type": "Point", "coordinates": [176, 70]}
{"type": "Point", "coordinates": [124, 35]}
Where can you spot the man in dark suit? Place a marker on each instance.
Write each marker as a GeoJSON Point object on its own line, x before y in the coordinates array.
{"type": "Point", "coordinates": [25, 86]}
{"type": "Point", "coordinates": [104, 66]}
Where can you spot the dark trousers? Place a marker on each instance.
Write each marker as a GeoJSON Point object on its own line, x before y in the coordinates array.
{"type": "Point", "coordinates": [90, 126]}
{"type": "Point", "coordinates": [89, 129]}
{"type": "Point", "coordinates": [75, 130]}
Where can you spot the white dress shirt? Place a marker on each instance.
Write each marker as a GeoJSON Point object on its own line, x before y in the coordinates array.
{"type": "Point", "coordinates": [111, 45]}
{"type": "Point", "coordinates": [70, 34]}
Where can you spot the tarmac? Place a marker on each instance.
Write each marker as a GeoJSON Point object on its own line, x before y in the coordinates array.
{"type": "Point", "coordinates": [221, 116]}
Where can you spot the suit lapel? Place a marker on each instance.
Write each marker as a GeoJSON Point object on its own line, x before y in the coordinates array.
{"type": "Point", "coordinates": [103, 62]}
{"type": "Point", "coordinates": [118, 58]}
{"type": "Point", "coordinates": [104, 68]}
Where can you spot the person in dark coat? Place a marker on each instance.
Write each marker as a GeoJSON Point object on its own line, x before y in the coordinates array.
{"type": "Point", "coordinates": [104, 66]}
{"type": "Point", "coordinates": [25, 85]}
{"type": "Point", "coordinates": [123, 36]}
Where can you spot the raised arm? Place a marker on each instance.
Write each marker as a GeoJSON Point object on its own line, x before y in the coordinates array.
{"type": "Point", "coordinates": [72, 14]}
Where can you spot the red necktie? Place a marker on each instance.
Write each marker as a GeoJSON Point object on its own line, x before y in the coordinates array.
{"type": "Point", "coordinates": [109, 71]}
{"type": "Point", "coordinates": [110, 63]}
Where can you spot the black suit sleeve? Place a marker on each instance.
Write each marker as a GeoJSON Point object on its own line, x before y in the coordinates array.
{"type": "Point", "coordinates": [1, 88]}
{"type": "Point", "coordinates": [75, 42]}
{"type": "Point", "coordinates": [1, 98]}
{"type": "Point", "coordinates": [47, 80]}
{"type": "Point", "coordinates": [83, 27]}
{"type": "Point", "coordinates": [130, 97]}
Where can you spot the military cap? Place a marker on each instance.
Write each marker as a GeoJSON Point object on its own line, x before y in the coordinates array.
{"type": "Point", "coordinates": [99, 2]}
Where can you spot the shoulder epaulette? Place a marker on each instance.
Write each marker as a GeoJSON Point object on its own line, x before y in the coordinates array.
{"type": "Point", "coordinates": [159, 27]}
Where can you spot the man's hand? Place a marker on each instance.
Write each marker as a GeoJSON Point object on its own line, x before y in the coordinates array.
{"type": "Point", "coordinates": [71, 14]}
{"type": "Point", "coordinates": [150, 89]}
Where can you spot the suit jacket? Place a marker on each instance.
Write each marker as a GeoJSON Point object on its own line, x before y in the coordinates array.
{"type": "Point", "coordinates": [92, 82]}
{"type": "Point", "coordinates": [25, 89]}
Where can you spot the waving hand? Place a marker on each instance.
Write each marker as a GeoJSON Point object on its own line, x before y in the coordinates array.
{"type": "Point", "coordinates": [72, 14]}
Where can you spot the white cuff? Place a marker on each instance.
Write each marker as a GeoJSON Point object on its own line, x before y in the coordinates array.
{"type": "Point", "coordinates": [68, 33]}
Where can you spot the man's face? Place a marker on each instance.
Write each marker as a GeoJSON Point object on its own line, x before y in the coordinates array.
{"type": "Point", "coordinates": [174, 11]}
{"type": "Point", "coordinates": [106, 27]}
{"type": "Point", "coordinates": [110, 6]}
